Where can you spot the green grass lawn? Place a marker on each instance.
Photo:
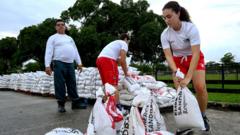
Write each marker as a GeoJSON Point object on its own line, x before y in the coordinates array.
{"type": "Point", "coordinates": [208, 77]}
{"type": "Point", "coordinates": [224, 97]}
{"type": "Point", "coordinates": [226, 86]}
{"type": "Point", "coordinates": [220, 97]}
{"type": "Point", "coordinates": [219, 76]}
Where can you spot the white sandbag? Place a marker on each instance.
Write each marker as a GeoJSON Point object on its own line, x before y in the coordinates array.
{"type": "Point", "coordinates": [99, 92]}
{"type": "Point", "coordinates": [64, 131]}
{"type": "Point", "coordinates": [125, 102]}
{"type": "Point", "coordinates": [100, 123]}
{"type": "Point", "coordinates": [118, 126]}
{"type": "Point", "coordinates": [152, 118]}
{"type": "Point", "coordinates": [125, 129]}
{"type": "Point", "coordinates": [155, 85]}
{"type": "Point", "coordinates": [186, 110]}
{"type": "Point", "coordinates": [133, 124]}
{"type": "Point", "coordinates": [137, 122]}
{"type": "Point", "coordinates": [144, 79]}
{"type": "Point", "coordinates": [109, 89]}
{"type": "Point", "coordinates": [131, 84]}
{"type": "Point", "coordinates": [90, 128]}
{"type": "Point", "coordinates": [140, 100]}
{"type": "Point", "coordinates": [160, 133]}
{"type": "Point", "coordinates": [142, 91]}
{"type": "Point", "coordinates": [126, 97]}
{"type": "Point", "coordinates": [112, 110]}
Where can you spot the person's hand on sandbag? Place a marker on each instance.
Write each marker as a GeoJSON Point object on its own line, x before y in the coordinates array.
{"type": "Point", "coordinates": [79, 68]}
{"type": "Point", "coordinates": [183, 83]}
{"type": "Point", "coordinates": [48, 71]}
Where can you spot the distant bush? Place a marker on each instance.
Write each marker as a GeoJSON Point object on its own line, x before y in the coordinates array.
{"type": "Point", "coordinates": [32, 67]}
{"type": "Point", "coordinates": [144, 68]}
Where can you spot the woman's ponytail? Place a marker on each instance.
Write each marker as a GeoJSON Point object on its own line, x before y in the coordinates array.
{"type": "Point", "coordinates": [184, 15]}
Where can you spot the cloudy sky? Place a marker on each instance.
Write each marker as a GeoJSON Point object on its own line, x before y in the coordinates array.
{"type": "Point", "coordinates": [217, 20]}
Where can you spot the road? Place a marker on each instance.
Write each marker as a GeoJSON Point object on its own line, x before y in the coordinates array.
{"type": "Point", "coordinates": [22, 114]}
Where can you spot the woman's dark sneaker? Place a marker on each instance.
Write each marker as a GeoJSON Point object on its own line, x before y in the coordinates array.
{"type": "Point", "coordinates": [206, 123]}
{"type": "Point", "coordinates": [184, 132]}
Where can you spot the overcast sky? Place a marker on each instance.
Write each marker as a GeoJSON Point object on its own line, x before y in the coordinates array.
{"type": "Point", "coordinates": [217, 20]}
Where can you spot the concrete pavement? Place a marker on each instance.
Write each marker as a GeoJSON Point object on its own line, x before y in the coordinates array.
{"type": "Point", "coordinates": [22, 114]}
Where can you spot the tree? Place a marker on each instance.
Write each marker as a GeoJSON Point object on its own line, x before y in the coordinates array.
{"type": "Point", "coordinates": [32, 41]}
{"type": "Point", "coordinates": [148, 43]}
{"type": "Point", "coordinates": [126, 3]}
{"type": "Point", "coordinates": [101, 22]}
{"type": "Point", "coordinates": [228, 58]}
{"type": "Point", "coordinates": [82, 9]}
{"type": "Point", "coordinates": [8, 47]}
{"type": "Point", "coordinates": [211, 63]}
{"type": "Point", "coordinates": [111, 20]}
{"type": "Point", "coordinates": [88, 44]}
{"type": "Point", "coordinates": [32, 67]}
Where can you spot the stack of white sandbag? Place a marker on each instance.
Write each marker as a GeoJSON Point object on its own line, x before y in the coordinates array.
{"type": "Point", "coordinates": [135, 85]}
{"type": "Point", "coordinates": [4, 81]}
{"type": "Point", "coordinates": [88, 81]}
{"type": "Point", "coordinates": [52, 88]}
{"type": "Point", "coordinates": [43, 83]}
{"type": "Point", "coordinates": [125, 98]}
{"type": "Point", "coordinates": [165, 96]}
{"type": "Point", "coordinates": [34, 82]}
{"type": "Point", "coordinates": [14, 81]}
{"type": "Point", "coordinates": [27, 81]}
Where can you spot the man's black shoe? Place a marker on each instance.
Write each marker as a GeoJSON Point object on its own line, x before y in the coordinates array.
{"type": "Point", "coordinates": [184, 132]}
{"type": "Point", "coordinates": [61, 109]}
{"type": "Point", "coordinates": [79, 104]}
{"type": "Point", "coordinates": [206, 123]}
{"type": "Point", "coordinates": [61, 105]}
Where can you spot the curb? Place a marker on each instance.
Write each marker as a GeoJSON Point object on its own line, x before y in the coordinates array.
{"type": "Point", "coordinates": [212, 105]}
{"type": "Point", "coordinates": [224, 106]}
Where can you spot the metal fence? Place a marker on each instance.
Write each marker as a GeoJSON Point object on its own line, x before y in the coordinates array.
{"type": "Point", "coordinates": [219, 77]}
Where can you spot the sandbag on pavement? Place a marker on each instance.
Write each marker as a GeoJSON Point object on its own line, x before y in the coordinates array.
{"type": "Point", "coordinates": [186, 110]}
{"type": "Point", "coordinates": [64, 131]}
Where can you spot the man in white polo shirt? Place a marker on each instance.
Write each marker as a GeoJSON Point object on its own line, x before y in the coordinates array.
{"type": "Point", "coordinates": [62, 52]}
{"type": "Point", "coordinates": [107, 61]}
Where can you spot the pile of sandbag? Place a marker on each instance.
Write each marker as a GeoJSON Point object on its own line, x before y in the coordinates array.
{"type": "Point", "coordinates": [43, 84]}
{"type": "Point", "coordinates": [149, 121]}
{"type": "Point", "coordinates": [4, 81]}
{"type": "Point", "coordinates": [107, 119]}
{"type": "Point", "coordinates": [135, 85]}
{"type": "Point", "coordinates": [88, 81]}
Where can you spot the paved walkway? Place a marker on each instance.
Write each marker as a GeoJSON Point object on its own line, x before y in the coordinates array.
{"type": "Point", "coordinates": [21, 114]}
